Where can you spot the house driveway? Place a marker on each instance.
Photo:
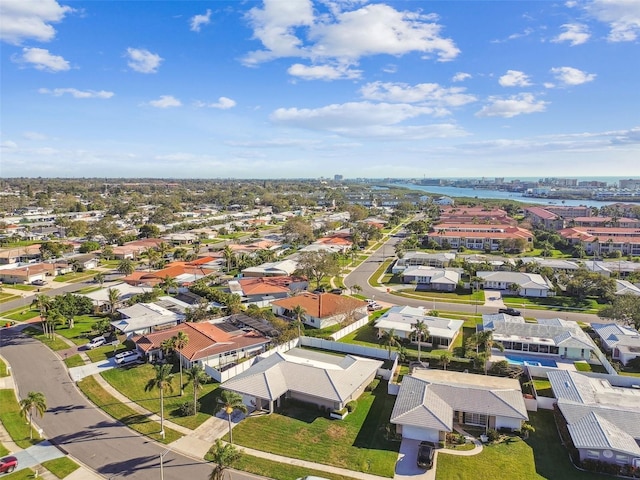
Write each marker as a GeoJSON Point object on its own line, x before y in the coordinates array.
{"type": "Point", "coordinates": [78, 373]}
{"type": "Point", "coordinates": [407, 467]}
{"type": "Point", "coordinates": [493, 298]}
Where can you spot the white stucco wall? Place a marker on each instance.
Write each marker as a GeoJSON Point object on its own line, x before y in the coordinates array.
{"type": "Point", "coordinates": [507, 422]}
{"type": "Point", "coordinates": [417, 433]}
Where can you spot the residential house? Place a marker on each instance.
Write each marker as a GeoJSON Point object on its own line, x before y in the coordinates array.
{"type": "Point", "coordinates": [26, 274]}
{"type": "Point", "coordinates": [143, 318]}
{"type": "Point", "coordinates": [282, 268]}
{"type": "Point", "coordinates": [432, 278]}
{"type": "Point", "coordinates": [402, 320]}
{"type": "Point", "coordinates": [19, 254]}
{"type": "Point", "coordinates": [622, 342]}
{"type": "Point", "coordinates": [265, 289]}
{"type": "Point", "coordinates": [555, 264]}
{"type": "Point", "coordinates": [100, 297]}
{"type": "Point", "coordinates": [132, 250]}
{"type": "Point", "coordinates": [212, 345]}
{"type": "Point", "coordinates": [414, 259]}
{"type": "Point", "coordinates": [530, 284]}
{"type": "Point", "coordinates": [549, 336]}
{"type": "Point", "coordinates": [603, 417]}
{"type": "Point", "coordinates": [431, 402]}
{"type": "Point", "coordinates": [321, 309]}
{"type": "Point", "coordinates": [328, 381]}
{"type": "Point", "coordinates": [184, 273]}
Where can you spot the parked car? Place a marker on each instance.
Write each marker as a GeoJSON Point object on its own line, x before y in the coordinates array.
{"type": "Point", "coordinates": [336, 291]}
{"type": "Point", "coordinates": [426, 453]}
{"type": "Point", "coordinates": [129, 356]}
{"type": "Point", "coordinates": [8, 464]}
{"type": "Point", "coordinates": [96, 342]}
{"type": "Point", "coordinates": [39, 283]}
{"type": "Point", "coordinates": [510, 311]}
{"type": "Point", "coordinates": [374, 307]}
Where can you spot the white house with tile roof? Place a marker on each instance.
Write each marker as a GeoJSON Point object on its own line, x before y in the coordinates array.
{"type": "Point", "coordinates": [623, 342]}
{"type": "Point", "coordinates": [530, 284]}
{"type": "Point", "coordinates": [430, 402]}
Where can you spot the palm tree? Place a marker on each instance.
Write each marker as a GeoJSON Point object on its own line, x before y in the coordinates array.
{"type": "Point", "coordinates": [168, 283]}
{"type": "Point", "coordinates": [180, 340]}
{"type": "Point", "coordinates": [421, 331]}
{"type": "Point", "coordinates": [223, 456]}
{"type": "Point", "coordinates": [389, 339]}
{"type": "Point", "coordinates": [168, 346]}
{"type": "Point", "coordinates": [299, 312]}
{"type": "Point", "coordinates": [33, 400]}
{"type": "Point", "coordinates": [230, 401]}
{"type": "Point", "coordinates": [162, 381]}
{"type": "Point", "coordinates": [126, 266]}
{"type": "Point", "coordinates": [99, 278]}
{"type": "Point", "coordinates": [152, 257]}
{"type": "Point", "coordinates": [485, 339]}
{"type": "Point", "coordinates": [113, 296]}
{"type": "Point", "coordinates": [43, 304]}
{"type": "Point", "coordinates": [445, 358]}
{"type": "Point", "coordinates": [228, 257]}
{"type": "Point", "coordinates": [197, 377]}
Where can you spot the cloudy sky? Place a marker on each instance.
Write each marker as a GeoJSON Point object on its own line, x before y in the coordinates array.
{"type": "Point", "coordinates": [301, 88]}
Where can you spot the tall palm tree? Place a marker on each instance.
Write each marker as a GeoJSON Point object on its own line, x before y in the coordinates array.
{"type": "Point", "coordinates": [162, 381]}
{"type": "Point", "coordinates": [420, 330]}
{"type": "Point", "coordinates": [445, 358]}
{"type": "Point", "coordinates": [180, 340]}
{"type": "Point", "coordinates": [168, 283]}
{"type": "Point", "coordinates": [113, 296]}
{"type": "Point", "coordinates": [99, 278]}
{"type": "Point", "coordinates": [152, 257]}
{"type": "Point", "coordinates": [168, 346]}
{"type": "Point", "coordinates": [230, 401]}
{"type": "Point", "coordinates": [43, 304]}
{"type": "Point", "coordinates": [197, 377]}
{"type": "Point", "coordinates": [485, 339]}
{"type": "Point", "coordinates": [298, 312]}
{"type": "Point", "coordinates": [228, 257]}
{"type": "Point", "coordinates": [389, 339]}
{"type": "Point", "coordinates": [223, 456]}
{"type": "Point", "coordinates": [33, 401]}
{"type": "Point", "coordinates": [126, 266]}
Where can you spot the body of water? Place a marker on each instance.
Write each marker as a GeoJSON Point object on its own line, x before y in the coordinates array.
{"type": "Point", "coordinates": [532, 360]}
{"type": "Point", "coordinates": [500, 195]}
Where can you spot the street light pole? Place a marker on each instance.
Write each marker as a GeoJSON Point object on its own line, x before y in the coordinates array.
{"type": "Point", "coordinates": [162, 463]}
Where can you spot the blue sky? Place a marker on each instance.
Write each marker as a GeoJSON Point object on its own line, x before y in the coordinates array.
{"type": "Point", "coordinates": [300, 88]}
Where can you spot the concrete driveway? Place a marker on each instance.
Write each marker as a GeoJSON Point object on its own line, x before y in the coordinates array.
{"type": "Point", "coordinates": [78, 373]}
{"type": "Point", "coordinates": [406, 466]}
{"type": "Point", "coordinates": [37, 454]}
{"type": "Point", "coordinates": [493, 298]}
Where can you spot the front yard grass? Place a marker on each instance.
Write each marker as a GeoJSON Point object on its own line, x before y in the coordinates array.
{"type": "Point", "coordinates": [61, 467]}
{"type": "Point", "coordinates": [4, 372]}
{"type": "Point", "coordinates": [357, 442]}
{"type": "Point", "coordinates": [131, 382]}
{"type": "Point", "coordinates": [13, 422]}
{"type": "Point", "coordinates": [124, 413]}
{"type": "Point", "coordinates": [74, 361]}
{"type": "Point", "coordinates": [557, 303]}
{"type": "Point", "coordinates": [7, 297]}
{"type": "Point", "coordinates": [22, 314]}
{"type": "Point", "coordinates": [540, 457]}
{"type": "Point", "coordinates": [54, 343]}
{"type": "Point", "coordinates": [82, 329]}
{"type": "Point", "coordinates": [75, 277]}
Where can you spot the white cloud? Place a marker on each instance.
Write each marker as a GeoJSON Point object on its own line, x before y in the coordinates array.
{"type": "Point", "coordinates": [344, 35]}
{"type": "Point", "coordinates": [198, 20]}
{"type": "Point", "coordinates": [143, 61]}
{"type": "Point", "coordinates": [622, 16]}
{"type": "Point", "coordinates": [572, 76]}
{"type": "Point", "coordinates": [514, 78]}
{"type": "Point", "coordinates": [41, 59]}
{"type": "Point", "coordinates": [423, 93]}
{"type": "Point", "coordinates": [8, 144]}
{"type": "Point", "coordinates": [30, 20]}
{"type": "Point", "coordinates": [461, 77]}
{"type": "Point", "coordinates": [166, 101]}
{"type": "Point", "coordinates": [75, 93]}
{"type": "Point", "coordinates": [574, 33]}
{"type": "Point", "coordinates": [512, 106]}
{"type": "Point", "coordinates": [323, 72]}
{"type": "Point", "coordinates": [223, 103]}
{"type": "Point", "coordinates": [34, 136]}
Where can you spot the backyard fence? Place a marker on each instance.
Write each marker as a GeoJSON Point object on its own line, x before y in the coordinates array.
{"type": "Point", "coordinates": [350, 328]}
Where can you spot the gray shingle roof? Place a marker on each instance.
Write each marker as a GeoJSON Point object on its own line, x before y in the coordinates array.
{"type": "Point", "coordinates": [593, 431]}
{"type": "Point", "coordinates": [418, 405]}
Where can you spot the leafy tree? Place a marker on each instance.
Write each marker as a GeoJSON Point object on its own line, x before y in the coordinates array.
{"type": "Point", "coordinates": [33, 401]}
{"type": "Point", "coordinates": [298, 230]}
{"type": "Point", "coordinates": [197, 313]}
{"type": "Point", "coordinates": [148, 230]}
{"type": "Point", "coordinates": [197, 377]}
{"type": "Point", "coordinates": [70, 305]}
{"type": "Point", "coordinates": [163, 382]}
{"type": "Point", "coordinates": [224, 455]}
{"type": "Point", "coordinates": [230, 401]}
{"type": "Point", "coordinates": [180, 341]}
{"type": "Point", "coordinates": [89, 246]}
{"type": "Point", "coordinates": [126, 266]}
{"type": "Point", "coordinates": [445, 359]}
{"type": "Point", "coordinates": [168, 283]}
{"type": "Point", "coordinates": [625, 308]}
{"type": "Point", "coordinates": [485, 340]}
{"type": "Point", "coordinates": [317, 265]}
{"type": "Point", "coordinates": [107, 252]}
{"type": "Point", "coordinates": [585, 283]}
{"type": "Point", "coordinates": [99, 278]}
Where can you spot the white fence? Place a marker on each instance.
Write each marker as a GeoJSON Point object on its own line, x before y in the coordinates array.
{"type": "Point", "coordinates": [350, 328]}
{"type": "Point", "coordinates": [348, 348]}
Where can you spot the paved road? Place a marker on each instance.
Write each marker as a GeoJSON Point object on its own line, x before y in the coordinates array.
{"type": "Point", "coordinates": [360, 276]}
{"type": "Point", "coordinates": [85, 431]}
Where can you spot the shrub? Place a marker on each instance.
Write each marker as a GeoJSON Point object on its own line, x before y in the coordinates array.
{"type": "Point", "coordinates": [351, 406]}
{"type": "Point", "coordinates": [186, 409]}
{"type": "Point", "coordinates": [493, 435]}
{"type": "Point", "coordinates": [373, 385]}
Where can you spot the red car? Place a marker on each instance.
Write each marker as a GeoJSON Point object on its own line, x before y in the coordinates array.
{"type": "Point", "coordinates": [8, 464]}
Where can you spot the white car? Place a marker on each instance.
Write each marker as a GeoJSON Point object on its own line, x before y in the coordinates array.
{"type": "Point", "coordinates": [129, 356]}
{"type": "Point", "coordinates": [96, 342]}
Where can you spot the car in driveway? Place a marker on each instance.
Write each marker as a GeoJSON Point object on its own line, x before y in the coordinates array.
{"type": "Point", "coordinates": [510, 311]}
{"type": "Point", "coordinates": [426, 454]}
{"type": "Point", "coordinates": [8, 464]}
{"type": "Point", "coordinates": [129, 356]}
{"type": "Point", "coordinates": [39, 283]}
{"type": "Point", "coordinates": [96, 342]}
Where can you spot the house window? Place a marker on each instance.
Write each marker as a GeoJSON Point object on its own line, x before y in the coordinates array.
{"type": "Point", "coordinates": [475, 419]}
{"type": "Point", "coordinates": [593, 453]}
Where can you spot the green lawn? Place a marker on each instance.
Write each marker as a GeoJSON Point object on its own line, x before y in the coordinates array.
{"type": "Point", "coordinates": [558, 303]}
{"type": "Point", "coordinates": [13, 422]}
{"type": "Point", "coordinates": [82, 329]}
{"type": "Point", "coordinates": [373, 280]}
{"type": "Point", "coordinates": [55, 343]}
{"type": "Point", "coordinates": [356, 443]}
{"type": "Point", "coordinates": [23, 287]}
{"type": "Point", "coordinates": [7, 297]}
{"type": "Point", "coordinates": [24, 474]}
{"type": "Point", "coordinates": [125, 414]}
{"type": "Point", "coordinates": [61, 467]}
{"type": "Point", "coordinates": [74, 361]}
{"type": "Point", "coordinates": [543, 387]}
{"type": "Point", "coordinates": [3, 451]}
{"type": "Point", "coordinates": [469, 298]}
{"type": "Point", "coordinates": [4, 372]}
{"type": "Point", "coordinates": [22, 314]}
{"type": "Point", "coordinates": [131, 382]}
{"type": "Point", "coordinates": [540, 457]}
{"type": "Point", "coordinates": [75, 277]}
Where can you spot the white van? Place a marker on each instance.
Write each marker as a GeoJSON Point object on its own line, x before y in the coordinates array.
{"type": "Point", "coordinates": [129, 356]}
{"type": "Point", "coordinates": [96, 342]}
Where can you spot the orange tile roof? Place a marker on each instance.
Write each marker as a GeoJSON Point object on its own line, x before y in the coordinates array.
{"type": "Point", "coordinates": [321, 305]}
{"type": "Point", "coordinates": [334, 241]}
{"type": "Point", "coordinates": [265, 285]}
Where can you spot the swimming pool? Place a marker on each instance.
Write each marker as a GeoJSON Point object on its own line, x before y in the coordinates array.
{"type": "Point", "coordinates": [530, 360]}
